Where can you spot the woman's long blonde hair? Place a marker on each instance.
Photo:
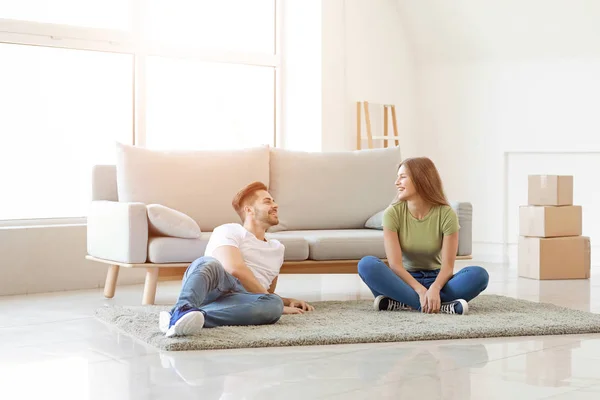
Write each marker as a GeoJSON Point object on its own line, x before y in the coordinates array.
{"type": "Point", "coordinates": [427, 180]}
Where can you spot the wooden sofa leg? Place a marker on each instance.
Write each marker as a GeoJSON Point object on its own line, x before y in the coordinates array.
{"type": "Point", "coordinates": [111, 281]}
{"type": "Point", "coordinates": [150, 286]}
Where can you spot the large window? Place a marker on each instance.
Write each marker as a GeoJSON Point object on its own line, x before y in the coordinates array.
{"type": "Point", "coordinates": [62, 110]}
{"type": "Point", "coordinates": [78, 75]}
{"type": "Point", "coordinates": [224, 25]}
{"type": "Point", "coordinates": [107, 14]}
{"type": "Point", "coordinates": [208, 105]}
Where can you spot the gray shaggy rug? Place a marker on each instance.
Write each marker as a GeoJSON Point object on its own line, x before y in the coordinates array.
{"type": "Point", "coordinates": [337, 322]}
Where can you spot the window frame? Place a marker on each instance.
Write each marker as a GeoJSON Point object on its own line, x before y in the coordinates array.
{"type": "Point", "coordinates": [130, 42]}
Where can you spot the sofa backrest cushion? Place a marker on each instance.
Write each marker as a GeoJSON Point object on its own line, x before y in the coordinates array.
{"type": "Point", "coordinates": [331, 190]}
{"type": "Point", "coordinates": [104, 183]}
{"type": "Point", "coordinates": [201, 184]}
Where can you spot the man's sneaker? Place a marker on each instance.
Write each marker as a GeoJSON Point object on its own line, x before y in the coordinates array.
{"type": "Point", "coordinates": [383, 303]}
{"type": "Point", "coordinates": [164, 319]}
{"type": "Point", "coordinates": [455, 307]}
{"type": "Point", "coordinates": [185, 321]}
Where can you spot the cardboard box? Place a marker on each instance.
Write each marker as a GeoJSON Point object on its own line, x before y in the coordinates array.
{"type": "Point", "coordinates": [554, 258]}
{"type": "Point", "coordinates": [550, 190]}
{"type": "Point", "coordinates": [550, 221]}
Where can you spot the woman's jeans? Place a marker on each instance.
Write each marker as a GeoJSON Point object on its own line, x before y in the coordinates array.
{"type": "Point", "coordinates": [466, 284]}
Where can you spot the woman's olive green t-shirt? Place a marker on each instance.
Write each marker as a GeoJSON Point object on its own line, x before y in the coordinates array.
{"type": "Point", "coordinates": [421, 239]}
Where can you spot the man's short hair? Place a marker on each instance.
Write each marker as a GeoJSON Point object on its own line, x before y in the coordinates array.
{"type": "Point", "coordinates": [245, 196]}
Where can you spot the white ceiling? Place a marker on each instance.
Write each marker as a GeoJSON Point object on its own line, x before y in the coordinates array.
{"type": "Point", "coordinates": [471, 30]}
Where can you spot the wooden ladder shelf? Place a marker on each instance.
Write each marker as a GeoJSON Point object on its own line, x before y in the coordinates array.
{"type": "Point", "coordinates": [360, 105]}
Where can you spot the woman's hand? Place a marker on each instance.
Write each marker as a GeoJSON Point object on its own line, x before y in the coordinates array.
{"type": "Point", "coordinates": [432, 301]}
{"type": "Point", "coordinates": [422, 292]}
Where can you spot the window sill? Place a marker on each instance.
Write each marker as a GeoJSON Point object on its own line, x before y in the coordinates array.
{"type": "Point", "coordinates": [42, 222]}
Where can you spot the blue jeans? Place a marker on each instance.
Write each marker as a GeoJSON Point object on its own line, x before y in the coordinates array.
{"type": "Point", "coordinates": [223, 299]}
{"type": "Point", "coordinates": [466, 284]}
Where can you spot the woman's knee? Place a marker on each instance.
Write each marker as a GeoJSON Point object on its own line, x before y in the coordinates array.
{"type": "Point", "coordinates": [368, 264]}
{"type": "Point", "coordinates": [480, 275]}
{"type": "Point", "coordinates": [270, 310]}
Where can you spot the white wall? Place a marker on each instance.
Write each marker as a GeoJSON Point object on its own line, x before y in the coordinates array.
{"type": "Point", "coordinates": [44, 259]}
{"type": "Point", "coordinates": [472, 114]}
{"type": "Point", "coordinates": [511, 76]}
{"type": "Point", "coordinates": [362, 55]}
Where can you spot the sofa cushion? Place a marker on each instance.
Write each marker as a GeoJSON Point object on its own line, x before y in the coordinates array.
{"type": "Point", "coordinates": [343, 244]}
{"type": "Point", "coordinates": [104, 183]}
{"type": "Point", "coordinates": [331, 190]}
{"type": "Point", "coordinates": [176, 250]}
{"type": "Point", "coordinates": [200, 184]}
{"type": "Point", "coordinates": [171, 250]}
{"type": "Point", "coordinates": [168, 222]}
{"type": "Point", "coordinates": [376, 221]}
{"type": "Point", "coordinates": [296, 248]}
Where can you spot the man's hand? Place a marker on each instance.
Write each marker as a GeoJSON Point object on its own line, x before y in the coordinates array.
{"type": "Point", "coordinates": [292, 310]}
{"type": "Point", "coordinates": [432, 301]}
{"type": "Point", "coordinates": [293, 306]}
{"type": "Point", "coordinates": [300, 304]}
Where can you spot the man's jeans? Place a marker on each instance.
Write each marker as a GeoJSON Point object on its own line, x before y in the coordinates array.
{"type": "Point", "coordinates": [223, 299]}
{"type": "Point", "coordinates": [466, 284]}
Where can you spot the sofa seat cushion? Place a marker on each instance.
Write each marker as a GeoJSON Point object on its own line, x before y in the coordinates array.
{"type": "Point", "coordinates": [177, 250]}
{"type": "Point", "coordinates": [342, 244]}
{"type": "Point", "coordinates": [296, 247]}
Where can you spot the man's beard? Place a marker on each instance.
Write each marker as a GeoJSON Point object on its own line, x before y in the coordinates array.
{"type": "Point", "coordinates": [266, 218]}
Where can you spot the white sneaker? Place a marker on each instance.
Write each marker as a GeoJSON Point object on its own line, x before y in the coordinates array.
{"type": "Point", "coordinates": [189, 323]}
{"type": "Point", "coordinates": [164, 319]}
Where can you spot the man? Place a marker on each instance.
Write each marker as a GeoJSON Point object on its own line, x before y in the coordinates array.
{"type": "Point", "coordinates": [234, 283]}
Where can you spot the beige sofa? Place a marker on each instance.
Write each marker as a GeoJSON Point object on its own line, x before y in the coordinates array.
{"type": "Point", "coordinates": [326, 200]}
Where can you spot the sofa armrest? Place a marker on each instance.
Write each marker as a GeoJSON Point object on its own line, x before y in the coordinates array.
{"type": "Point", "coordinates": [118, 231]}
{"type": "Point", "coordinates": [464, 210]}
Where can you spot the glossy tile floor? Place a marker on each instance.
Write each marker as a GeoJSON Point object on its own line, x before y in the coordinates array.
{"type": "Point", "coordinates": [51, 347]}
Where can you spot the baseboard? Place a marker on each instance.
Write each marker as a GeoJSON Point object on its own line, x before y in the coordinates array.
{"type": "Point", "coordinates": [489, 252]}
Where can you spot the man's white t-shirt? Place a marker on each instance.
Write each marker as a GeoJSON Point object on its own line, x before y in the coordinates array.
{"type": "Point", "coordinates": [264, 258]}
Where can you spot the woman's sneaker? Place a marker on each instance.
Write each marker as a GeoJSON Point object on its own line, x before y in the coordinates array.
{"type": "Point", "coordinates": [383, 303]}
{"type": "Point", "coordinates": [459, 306]}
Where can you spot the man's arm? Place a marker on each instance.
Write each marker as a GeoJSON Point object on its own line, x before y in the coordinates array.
{"type": "Point", "coordinates": [231, 259]}
{"type": "Point", "coordinates": [286, 301]}
{"type": "Point", "coordinates": [273, 285]}
{"type": "Point", "coordinates": [233, 262]}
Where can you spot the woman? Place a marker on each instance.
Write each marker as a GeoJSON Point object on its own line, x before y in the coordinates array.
{"type": "Point", "coordinates": [420, 233]}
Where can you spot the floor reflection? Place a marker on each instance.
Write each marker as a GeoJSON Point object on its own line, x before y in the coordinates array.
{"type": "Point", "coordinates": [354, 370]}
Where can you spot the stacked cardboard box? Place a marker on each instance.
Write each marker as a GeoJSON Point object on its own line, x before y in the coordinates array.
{"type": "Point", "coordinates": [551, 245]}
